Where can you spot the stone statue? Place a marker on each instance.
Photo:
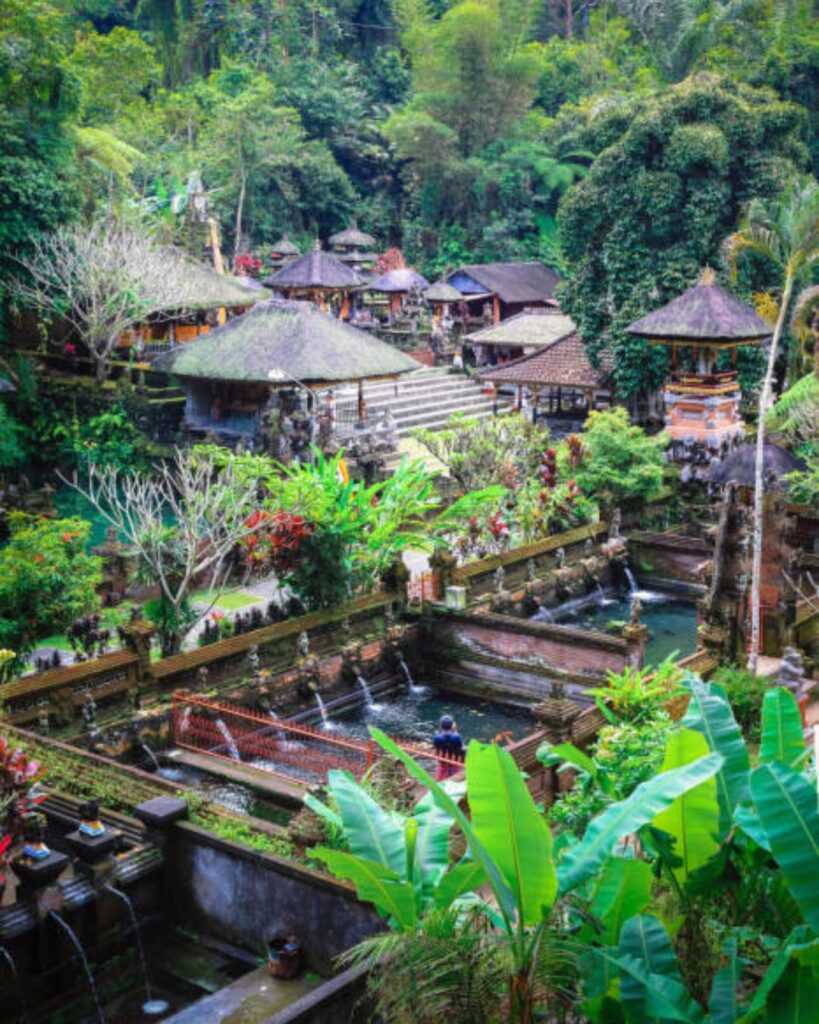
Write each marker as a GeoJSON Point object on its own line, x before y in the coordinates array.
{"type": "Point", "coordinates": [202, 677]}
{"type": "Point", "coordinates": [560, 557]}
{"type": "Point", "coordinates": [792, 670]}
{"type": "Point", "coordinates": [499, 579]}
{"type": "Point", "coordinates": [389, 616]}
{"type": "Point", "coordinates": [303, 645]}
{"type": "Point", "coordinates": [614, 525]}
{"type": "Point", "coordinates": [636, 608]}
{"type": "Point", "coordinates": [531, 570]}
{"type": "Point", "coordinates": [253, 661]}
{"type": "Point", "coordinates": [346, 626]}
{"type": "Point", "coordinates": [89, 713]}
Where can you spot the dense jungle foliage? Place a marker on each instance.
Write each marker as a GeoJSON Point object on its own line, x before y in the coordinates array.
{"type": "Point", "coordinates": [616, 140]}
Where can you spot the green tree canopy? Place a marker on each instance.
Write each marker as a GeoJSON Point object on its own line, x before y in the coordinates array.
{"type": "Point", "coordinates": [672, 173]}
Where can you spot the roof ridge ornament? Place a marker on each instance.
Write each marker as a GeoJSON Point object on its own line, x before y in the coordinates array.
{"type": "Point", "coordinates": [708, 275]}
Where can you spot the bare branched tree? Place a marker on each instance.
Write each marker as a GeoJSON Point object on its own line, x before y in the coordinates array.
{"type": "Point", "coordinates": [182, 526]}
{"type": "Point", "coordinates": [103, 280]}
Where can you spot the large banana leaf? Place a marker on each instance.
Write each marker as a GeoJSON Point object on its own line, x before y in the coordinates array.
{"type": "Point", "coordinates": [782, 738]}
{"type": "Point", "coordinates": [693, 818]}
{"type": "Point", "coordinates": [374, 883]}
{"type": "Point", "coordinates": [651, 986]}
{"type": "Point", "coordinates": [622, 818]}
{"type": "Point", "coordinates": [723, 1003]}
{"type": "Point", "coordinates": [786, 803]}
{"type": "Point", "coordinates": [466, 876]}
{"type": "Point", "coordinates": [709, 713]}
{"type": "Point", "coordinates": [503, 894]}
{"type": "Point", "coordinates": [746, 818]}
{"type": "Point", "coordinates": [371, 831]}
{"type": "Point", "coordinates": [549, 753]}
{"type": "Point", "coordinates": [795, 997]}
{"type": "Point", "coordinates": [510, 829]}
{"type": "Point", "coordinates": [431, 854]}
{"type": "Point", "coordinates": [799, 941]}
{"type": "Point", "coordinates": [623, 890]}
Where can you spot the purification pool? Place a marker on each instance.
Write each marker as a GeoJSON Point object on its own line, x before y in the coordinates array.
{"type": "Point", "coordinates": [671, 622]}
{"type": "Point", "coordinates": [415, 716]}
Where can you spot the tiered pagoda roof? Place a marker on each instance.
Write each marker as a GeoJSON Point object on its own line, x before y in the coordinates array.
{"type": "Point", "coordinates": [705, 313]}
{"type": "Point", "coordinates": [315, 269]}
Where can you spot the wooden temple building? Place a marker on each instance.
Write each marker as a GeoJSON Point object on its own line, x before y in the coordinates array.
{"type": "Point", "coordinates": [557, 376]}
{"type": "Point", "coordinates": [206, 299]}
{"type": "Point", "coordinates": [520, 335]}
{"type": "Point", "coordinates": [703, 328]}
{"type": "Point", "coordinates": [318, 277]}
{"type": "Point", "coordinates": [283, 252]}
{"type": "Point", "coordinates": [444, 300]}
{"type": "Point", "coordinates": [240, 382]}
{"type": "Point", "coordinates": [496, 291]}
{"type": "Point", "coordinates": [354, 247]}
{"type": "Point", "coordinates": [396, 285]}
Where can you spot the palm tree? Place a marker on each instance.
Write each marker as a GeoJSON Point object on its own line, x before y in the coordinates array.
{"type": "Point", "coordinates": [787, 234]}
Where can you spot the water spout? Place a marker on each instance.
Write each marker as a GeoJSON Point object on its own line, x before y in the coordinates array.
{"type": "Point", "coordinates": [412, 689]}
{"type": "Point", "coordinates": [632, 583]}
{"type": "Point", "coordinates": [368, 697]}
{"type": "Point", "coordinates": [151, 1007]}
{"type": "Point", "coordinates": [5, 955]}
{"type": "Point", "coordinates": [185, 720]}
{"type": "Point", "coordinates": [151, 756]}
{"type": "Point", "coordinates": [646, 596]}
{"type": "Point", "coordinates": [325, 718]}
{"type": "Point", "coordinates": [601, 597]}
{"type": "Point", "coordinates": [75, 942]}
{"type": "Point", "coordinates": [543, 615]}
{"type": "Point", "coordinates": [230, 743]}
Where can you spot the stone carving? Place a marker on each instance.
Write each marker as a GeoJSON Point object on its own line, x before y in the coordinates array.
{"type": "Point", "coordinates": [636, 608]}
{"type": "Point", "coordinates": [614, 525]}
{"type": "Point", "coordinates": [792, 670]}
{"type": "Point", "coordinates": [560, 557]}
{"type": "Point", "coordinates": [531, 570]}
{"type": "Point", "coordinates": [499, 579]}
{"type": "Point", "coordinates": [303, 645]}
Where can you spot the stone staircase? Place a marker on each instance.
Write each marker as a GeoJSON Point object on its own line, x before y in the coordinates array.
{"type": "Point", "coordinates": [424, 398]}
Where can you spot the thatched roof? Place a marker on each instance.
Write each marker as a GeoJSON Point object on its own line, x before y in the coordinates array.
{"type": "Point", "coordinates": [292, 336]}
{"type": "Point", "coordinates": [284, 247]}
{"type": "Point", "coordinates": [398, 281]}
{"type": "Point", "coordinates": [705, 312]}
{"type": "Point", "coordinates": [251, 283]}
{"type": "Point", "coordinates": [203, 288]}
{"type": "Point", "coordinates": [315, 269]}
{"type": "Point", "coordinates": [740, 466]}
{"type": "Point", "coordinates": [525, 330]}
{"type": "Point", "coordinates": [351, 237]}
{"type": "Point", "coordinates": [442, 292]}
{"type": "Point", "coordinates": [562, 363]}
{"type": "Point", "coordinates": [511, 282]}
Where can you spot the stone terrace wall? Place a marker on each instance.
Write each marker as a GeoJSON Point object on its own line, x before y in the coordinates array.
{"type": "Point", "coordinates": [488, 651]}
{"type": "Point", "coordinates": [669, 555]}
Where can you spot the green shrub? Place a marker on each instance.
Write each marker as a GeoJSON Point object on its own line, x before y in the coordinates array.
{"type": "Point", "coordinates": [745, 691]}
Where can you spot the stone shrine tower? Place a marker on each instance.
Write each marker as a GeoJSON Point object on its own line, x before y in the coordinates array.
{"type": "Point", "coordinates": [701, 400]}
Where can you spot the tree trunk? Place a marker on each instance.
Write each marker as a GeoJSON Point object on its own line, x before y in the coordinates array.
{"type": "Point", "coordinates": [569, 18]}
{"type": "Point", "coordinates": [237, 242]}
{"type": "Point", "coordinates": [759, 482]}
{"type": "Point", "coordinates": [521, 998]}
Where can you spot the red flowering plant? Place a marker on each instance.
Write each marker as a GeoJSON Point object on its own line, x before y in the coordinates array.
{"type": "Point", "coordinates": [19, 796]}
{"type": "Point", "coordinates": [248, 265]}
{"type": "Point", "coordinates": [275, 541]}
{"type": "Point", "coordinates": [392, 259]}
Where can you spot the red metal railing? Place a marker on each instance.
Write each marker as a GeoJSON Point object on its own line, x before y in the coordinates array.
{"type": "Point", "coordinates": [294, 751]}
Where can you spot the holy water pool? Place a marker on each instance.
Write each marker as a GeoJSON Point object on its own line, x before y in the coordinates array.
{"type": "Point", "coordinates": [671, 623]}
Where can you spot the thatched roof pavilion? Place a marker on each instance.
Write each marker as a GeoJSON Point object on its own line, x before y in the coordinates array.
{"type": "Point", "coordinates": [316, 349]}
{"type": "Point", "coordinates": [351, 238]}
{"type": "Point", "coordinates": [319, 277]}
{"type": "Point", "coordinates": [280, 344]}
{"type": "Point", "coordinates": [399, 281]}
{"type": "Point", "coordinates": [441, 292]}
{"type": "Point", "coordinates": [525, 331]}
{"type": "Point", "coordinates": [705, 313]}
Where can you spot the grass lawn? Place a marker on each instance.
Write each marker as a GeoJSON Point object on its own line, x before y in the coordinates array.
{"type": "Point", "coordinates": [229, 601]}
{"type": "Point", "coordinates": [58, 640]}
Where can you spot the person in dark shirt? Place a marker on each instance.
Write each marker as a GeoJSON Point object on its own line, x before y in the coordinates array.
{"type": "Point", "coordinates": [448, 743]}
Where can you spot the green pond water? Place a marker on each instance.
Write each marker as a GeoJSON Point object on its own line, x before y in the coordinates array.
{"type": "Point", "coordinates": [415, 716]}
{"type": "Point", "coordinates": [671, 623]}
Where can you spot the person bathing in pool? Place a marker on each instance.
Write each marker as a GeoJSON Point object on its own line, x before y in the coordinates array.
{"type": "Point", "coordinates": [449, 746]}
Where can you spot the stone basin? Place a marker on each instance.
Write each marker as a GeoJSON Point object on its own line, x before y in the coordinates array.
{"type": "Point", "coordinates": [253, 999]}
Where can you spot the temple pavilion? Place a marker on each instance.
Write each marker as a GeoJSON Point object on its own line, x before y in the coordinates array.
{"type": "Point", "coordinates": [240, 380]}
{"type": "Point", "coordinates": [518, 336]}
{"type": "Point", "coordinates": [354, 247]}
{"type": "Point", "coordinates": [283, 252]}
{"type": "Point", "coordinates": [443, 298]}
{"type": "Point", "coordinates": [557, 377]}
{"type": "Point", "coordinates": [702, 394]}
{"type": "Point", "coordinates": [396, 285]}
{"type": "Point", "coordinates": [496, 291]}
{"type": "Point", "coordinates": [318, 277]}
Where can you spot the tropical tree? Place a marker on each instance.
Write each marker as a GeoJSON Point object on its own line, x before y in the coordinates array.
{"type": "Point", "coordinates": [182, 523]}
{"type": "Point", "coordinates": [102, 280]}
{"type": "Point", "coordinates": [786, 234]}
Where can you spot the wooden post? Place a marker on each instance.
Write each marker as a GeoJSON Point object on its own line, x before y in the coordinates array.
{"type": "Point", "coordinates": [496, 313]}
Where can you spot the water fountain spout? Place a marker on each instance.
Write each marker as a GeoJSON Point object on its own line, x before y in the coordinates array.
{"type": "Point", "coordinates": [230, 743]}
{"type": "Point", "coordinates": [9, 959]}
{"type": "Point", "coordinates": [325, 717]}
{"type": "Point", "coordinates": [151, 1007]}
{"type": "Point", "coordinates": [151, 756]}
{"type": "Point", "coordinates": [368, 697]}
{"type": "Point", "coordinates": [75, 942]}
